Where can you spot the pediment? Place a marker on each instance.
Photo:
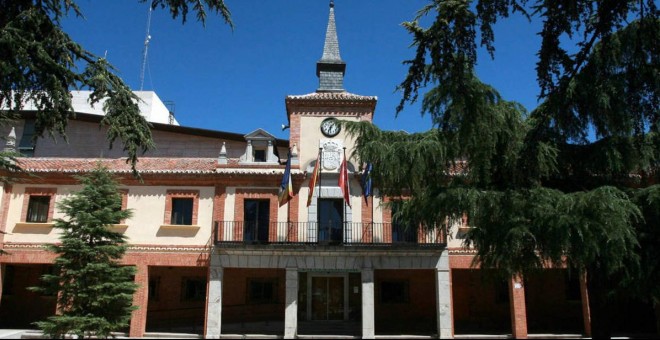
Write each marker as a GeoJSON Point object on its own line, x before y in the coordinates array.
{"type": "Point", "coordinates": [259, 134]}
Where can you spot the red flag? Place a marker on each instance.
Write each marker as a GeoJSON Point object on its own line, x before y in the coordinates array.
{"type": "Point", "coordinates": [313, 180]}
{"type": "Point", "coordinates": [343, 181]}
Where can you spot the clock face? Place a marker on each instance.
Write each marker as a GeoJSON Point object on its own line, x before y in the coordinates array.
{"type": "Point", "coordinates": [330, 127]}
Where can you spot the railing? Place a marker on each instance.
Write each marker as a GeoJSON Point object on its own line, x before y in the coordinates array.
{"type": "Point", "coordinates": [346, 233]}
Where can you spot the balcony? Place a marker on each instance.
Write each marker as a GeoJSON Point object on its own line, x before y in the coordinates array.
{"type": "Point", "coordinates": [236, 233]}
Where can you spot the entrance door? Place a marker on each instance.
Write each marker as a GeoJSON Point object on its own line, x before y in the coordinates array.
{"type": "Point", "coordinates": [331, 220]}
{"type": "Point", "coordinates": [256, 218]}
{"type": "Point", "coordinates": [328, 298]}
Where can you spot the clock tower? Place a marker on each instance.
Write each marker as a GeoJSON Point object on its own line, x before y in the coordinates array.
{"type": "Point", "coordinates": [313, 117]}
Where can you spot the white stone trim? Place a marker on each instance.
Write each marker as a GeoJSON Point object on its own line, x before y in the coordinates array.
{"type": "Point", "coordinates": [368, 310]}
{"type": "Point", "coordinates": [329, 260]}
{"type": "Point", "coordinates": [230, 202]}
{"type": "Point", "coordinates": [214, 300]}
{"type": "Point", "coordinates": [291, 304]}
{"type": "Point", "coordinates": [443, 298]}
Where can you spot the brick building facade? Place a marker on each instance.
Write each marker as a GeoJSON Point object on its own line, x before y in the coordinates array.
{"type": "Point", "coordinates": [216, 254]}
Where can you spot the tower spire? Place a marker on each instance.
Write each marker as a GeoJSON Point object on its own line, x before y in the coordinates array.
{"type": "Point", "coordinates": [330, 69]}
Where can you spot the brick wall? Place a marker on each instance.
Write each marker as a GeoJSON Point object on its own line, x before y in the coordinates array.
{"type": "Point", "coordinates": [235, 306]}
{"type": "Point", "coordinates": [418, 314]}
{"type": "Point", "coordinates": [168, 307]}
{"type": "Point", "coordinates": [553, 302]}
{"type": "Point", "coordinates": [480, 303]}
{"type": "Point", "coordinates": [20, 307]}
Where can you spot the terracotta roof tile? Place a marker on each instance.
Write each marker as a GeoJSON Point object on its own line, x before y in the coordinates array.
{"type": "Point", "coordinates": [145, 165]}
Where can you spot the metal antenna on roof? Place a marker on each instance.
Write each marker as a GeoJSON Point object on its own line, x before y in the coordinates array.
{"type": "Point", "coordinates": [147, 38]}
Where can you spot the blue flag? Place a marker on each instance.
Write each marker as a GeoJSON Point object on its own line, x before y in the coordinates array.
{"type": "Point", "coordinates": [286, 191]}
{"type": "Point", "coordinates": [366, 182]}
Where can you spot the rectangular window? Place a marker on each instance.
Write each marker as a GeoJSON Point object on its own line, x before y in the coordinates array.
{"type": "Point", "coordinates": [193, 289]}
{"type": "Point", "coordinates": [403, 231]}
{"type": "Point", "coordinates": [38, 207]}
{"type": "Point", "coordinates": [259, 155]}
{"type": "Point", "coordinates": [394, 291]}
{"type": "Point", "coordinates": [182, 211]}
{"type": "Point", "coordinates": [256, 218]}
{"type": "Point", "coordinates": [262, 291]}
{"type": "Point", "coordinates": [181, 207]}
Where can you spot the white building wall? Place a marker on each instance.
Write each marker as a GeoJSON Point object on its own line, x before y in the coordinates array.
{"type": "Point", "coordinates": [145, 227]}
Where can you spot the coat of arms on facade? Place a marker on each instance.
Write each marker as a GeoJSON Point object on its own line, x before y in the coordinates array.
{"type": "Point", "coordinates": [331, 153]}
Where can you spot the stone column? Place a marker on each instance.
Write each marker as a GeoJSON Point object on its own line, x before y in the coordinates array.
{"type": "Point", "coordinates": [140, 299]}
{"type": "Point", "coordinates": [291, 304]}
{"type": "Point", "coordinates": [214, 307]}
{"type": "Point", "coordinates": [518, 308]}
{"type": "Point", "coordinates": [443, 297]}
{"type": "Point", "coordinates": [368, 317]}
{"type": "Point", "coordinates": [586, 312]}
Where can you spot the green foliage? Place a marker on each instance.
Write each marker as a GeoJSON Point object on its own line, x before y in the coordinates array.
{"type": "Point", "coordinates": [94, 293]}
{"type": "Point", "coordinates": [182, 7]}
{"type": "Point", "coordinates": [648, 231]}
{"type": "Point", "coordinates": [521, 231]}
{"type": "Point", "coordinates": [39, 64]}
{"type": "Point", "coordinates": [564, 185]}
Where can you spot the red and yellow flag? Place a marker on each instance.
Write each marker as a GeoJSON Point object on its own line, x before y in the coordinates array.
{"type": "Point", "coordinates": [314, 179]}
{"type": "Point", "coordinates": [344, 181]}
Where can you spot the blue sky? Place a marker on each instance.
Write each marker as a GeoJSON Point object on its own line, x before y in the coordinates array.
{"type": "Point", "coordinates": [236, 81]}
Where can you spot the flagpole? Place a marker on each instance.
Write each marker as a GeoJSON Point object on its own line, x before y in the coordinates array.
{"type": "Point", "coordinates": [318, 198]}
{"type": "Point", "coordinates": [340, 170]}
{"type": "Point", "coordinates": [320, 176]}
{"type": "Point", "coordinates": [288, 211]}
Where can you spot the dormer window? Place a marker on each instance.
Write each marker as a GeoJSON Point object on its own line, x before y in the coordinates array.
{"type": "Point", "coordinates": [260, 148]}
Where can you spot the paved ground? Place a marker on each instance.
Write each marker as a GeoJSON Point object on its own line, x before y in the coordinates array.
{"type": "Point", "coordinates": [11, 333]}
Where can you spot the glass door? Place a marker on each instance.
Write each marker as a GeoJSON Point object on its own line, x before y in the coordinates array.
{"type": "Point", "coordinates": [256, 219]}
{"type": "Point", "coordinates": [330, 220]}
{"type": "Point", "coordinates": [328, 298]}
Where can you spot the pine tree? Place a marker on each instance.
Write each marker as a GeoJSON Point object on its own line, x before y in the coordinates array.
{"type": "Point", "coordinates": [39, 63]}
{"type": "Point", "coordinates": [94, 292]}
{"type": "Point", "coordinates": [537, 189]}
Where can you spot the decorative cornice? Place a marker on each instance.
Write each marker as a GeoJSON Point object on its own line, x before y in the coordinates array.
{"type": "Point", "coordinates": [131, 248]}
{"type": "Point", "coordinates": [331, 98]}
{"type": "Point", "coordinates": [257, 171]}
{"type": "Point", "coordinates": [19, 246]}
{"type": "Point", "coordinates": [330, 103]}
{"type": "Point", "coordinates": [462, 251]}
{"type": "Point", "coordinates": [168, 249]}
